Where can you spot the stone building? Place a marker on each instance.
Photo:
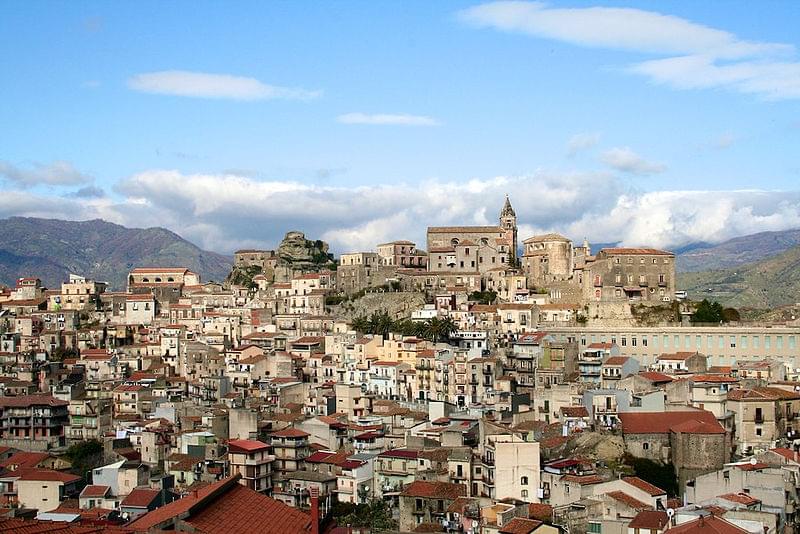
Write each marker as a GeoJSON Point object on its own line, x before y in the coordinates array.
{"type": "Point", "coordinates": [763, 416]}
{"type": "Point", "coordinates": [402, 254]}
{"type": "Point", "coordinates": [629, 275]}
{"type": "Point", "coordinates": [547, 258]}
{"type": "Point", "coordinates": [692, 440]}
{"type": "Point", "coordinates": [471, 249]}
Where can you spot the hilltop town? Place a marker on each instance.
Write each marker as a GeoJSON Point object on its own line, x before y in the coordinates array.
{"type": "Point", "coordinates": [484, 382]}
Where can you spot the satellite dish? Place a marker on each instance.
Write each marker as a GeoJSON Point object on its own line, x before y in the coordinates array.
{"type": "Point", "coordinates": [474, 523]}
{"type": "Point", "coordinates": [670, 513]}
{"type": "Point", "coordinates": [753, 461]}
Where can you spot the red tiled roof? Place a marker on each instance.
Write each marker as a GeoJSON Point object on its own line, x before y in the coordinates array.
{"type": "Point", "coordinates": [519, 525]}
{"type": "Point", "coordinates": [714, 378]}
{"type": "Point", "coordinates": [707, 525]}
{"type": "Point", "coordinates": [574, 411]}
{"type": "Point", "coordinates": [788, 454]}
{"type": "Point", "coordinates": [95, 491]}
{"type": "Point", "coordinates": [46, 475]}
{"type": "Point", "coordinates": [616, 360]}
{"type": "Point", "coordinates": [652, 490]}
{"type": "Point", "coordinates": [629, 501]}
{"type": "Point", "coordinates": [741, 498]}
{"type": "Point", "coordinates": [26, 401]}
{"type": "Point", "coordinates": [246, 445]}
{"type": "Point", "coordinates": [140, 497]}
{"type": "Point", "coordinates": [662, 422]}
{"type": "Point", "coordinates": [540, 511]}
{"type": "Point", "coordinates": [655, 377]}
{"type": "Point", "coordinates": [226, 507]}
{"type": "Point", "coordinates": [24, 459]}
{"type": "Point", "coordinates": [600, 346]}
{"type": "Point", "coordinates": [649, 520]}
{"type": "Point", "coordinates": [752, 467]}
{"type": "Point", "coordinates": [290, 433]}
{"type": "Point", "coordinates": [435, 490]}
{"type": "Point", "coordinates": [762, 394]}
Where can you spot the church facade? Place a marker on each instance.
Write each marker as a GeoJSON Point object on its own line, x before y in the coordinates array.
{"type": "Point", "coordinates": [474, 249]}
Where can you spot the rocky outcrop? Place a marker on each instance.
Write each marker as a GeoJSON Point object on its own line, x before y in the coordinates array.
{"type": "Point", "coordinates": [298, 251]}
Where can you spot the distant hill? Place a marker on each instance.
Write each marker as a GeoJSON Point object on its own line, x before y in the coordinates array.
{"type": "Point", "coordinates": [736, 251]}
{"type": "Point", "coordinates": [768, 283]}
{"type": "Point", "coordinates": [51, 249]}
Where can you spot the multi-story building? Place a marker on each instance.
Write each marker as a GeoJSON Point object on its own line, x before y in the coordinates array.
{"type": "Point", "coordinates": [33, 422]}
{"type": "Point", "coordinates": [722, 345]}
{"type": "Point", "coordinates": [290, 447]}
{"type": "Point", "coordinates": [763, 416]}
{"type": "Point", "coordinates": [401, 254]}
{"type": "Point", "coordinates": [252, 460]}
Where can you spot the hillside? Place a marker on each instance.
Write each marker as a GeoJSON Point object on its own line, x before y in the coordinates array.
{"type": "Point", "coordinates": [736, 251]}
{"type": "Point", "coordinates": [51, 249]}
{"type": "Point", "coordinates": [768, 283]}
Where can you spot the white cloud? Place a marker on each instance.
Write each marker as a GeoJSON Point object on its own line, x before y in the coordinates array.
{"type": "Point", "coordinates": [698, 56]}
{"type": "Point", "coordinates": [580, 142]}
{"type": "Point", "coordinates": [675, 218]}
{"type": "Point", "coordinates": [773, 80]}
{"type": "Point", "coordinates": [626, 160]}
{"type": "Point", "coordinates": [225, 212]}
{"type": "Point", "coordinates": [58, 173]}
{"type": "Point", "coordinates": [387, 119]}
{"type": "Point", "coordinates": [618, 28]}
{"type": "Point", "coordinates": [205, 85]}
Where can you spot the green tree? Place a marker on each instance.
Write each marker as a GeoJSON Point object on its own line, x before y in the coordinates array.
{"type": "Point", "coordinates": [483, 297]}
{"type": "Point", "coordinates": [84, 456]}
{"type": "Point", "coordinates": [375, 514]}
{"type": "Point", "coordinates": [708, 312]}
{"type": "Point", "coordinates": [437, 329]}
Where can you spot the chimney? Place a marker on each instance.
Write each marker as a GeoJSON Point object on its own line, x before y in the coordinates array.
{"type": "Point", "coordinates": [314, 493]}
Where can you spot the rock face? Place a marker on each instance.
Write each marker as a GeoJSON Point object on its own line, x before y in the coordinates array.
{"type": "Point", "coordinates": [297, 250]}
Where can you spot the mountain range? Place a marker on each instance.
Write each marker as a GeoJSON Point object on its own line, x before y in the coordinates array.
{"type": "Point", "coordinates": [737, 251]}
{"type": "Point", "coordinates": [52, 249]}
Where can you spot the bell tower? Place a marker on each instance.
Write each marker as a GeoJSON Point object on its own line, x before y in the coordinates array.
{"type": "Point", "coordinates": [508, 222]}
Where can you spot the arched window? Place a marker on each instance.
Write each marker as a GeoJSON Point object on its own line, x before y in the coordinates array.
{"type": "Point", "coordinates": [454, 241]}
{"type": "Point", "coordinates": [158, 278]}
{"type": "Point", "coordinates": [145, 279]}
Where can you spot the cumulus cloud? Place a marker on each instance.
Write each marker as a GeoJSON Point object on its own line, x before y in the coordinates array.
{"type": "Point", "coordinates": [674, 218]}
{"type": "Point", "coordinates": [223, 212]}
{"type": "Point", "coordinates": [205, 85]}
{"type": "Point", "coordinates": [698, 56]}
{"type": "Point", "coordinates": [626, 160]}
{"type": "Point", "coordinates": [580, 142]}
{"type": "Point", "coordinates": [387, 119]}
{"type": "Point", "coordinates": [58, 173]}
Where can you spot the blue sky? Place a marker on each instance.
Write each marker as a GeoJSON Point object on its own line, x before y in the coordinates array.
{"type": "Point", "coordinates": [358, 122]}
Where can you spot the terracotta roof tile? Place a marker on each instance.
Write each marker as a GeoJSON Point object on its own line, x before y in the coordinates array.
{"type": "Point", "coordinates": [520, 525]}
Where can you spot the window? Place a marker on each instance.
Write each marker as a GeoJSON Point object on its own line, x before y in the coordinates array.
{"type": "Point", "coordinates": [594, 528]}
{"type": "Point", "coordinates": [645, 446]}
{"type": "Point", "coordinates": [524, 481]}
{"type": "Point", "coordinates": [524, 494]}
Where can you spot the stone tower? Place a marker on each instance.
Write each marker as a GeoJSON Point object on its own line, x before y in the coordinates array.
{"type": "Point", "coordinates": [508, 222]}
